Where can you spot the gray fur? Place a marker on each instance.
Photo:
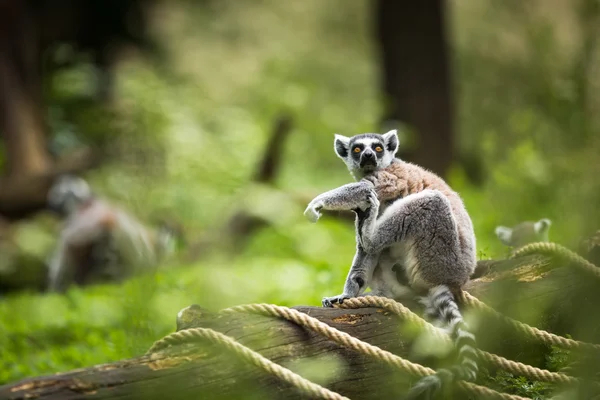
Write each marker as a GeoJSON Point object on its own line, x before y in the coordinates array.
{"type": "Point", "coordinates": [67, 193]}
{"type": "Point", "coordinates": [359, 165]}
{"type": "Point", "coordinates": [420, 233]}
{"type": "Point", "coordinates": [404, 232]}
{"type": "Point", "coordinates": [351, 196]}
{"type": "Point", "coordinates": [524, 233]}
{"type": "Point", "coordinates": [88, 249]}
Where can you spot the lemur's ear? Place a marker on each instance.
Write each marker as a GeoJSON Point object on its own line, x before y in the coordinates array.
{"type": "Point", "coordinates": [504, 234]}
{"type": "Point", "coordinates": [391, 141]}
{"type": "Point", "coordinates": [542, 225]}
{"type": "Point", "coordinates": [341, 145]}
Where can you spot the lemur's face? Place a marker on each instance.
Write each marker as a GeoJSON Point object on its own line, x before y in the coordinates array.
{"type": "Point", "coordinates": [366, 152]}
{"type": "Point", "coordinates": [524, 233]}
{"type": "Point", "coordinates": [66, 192]}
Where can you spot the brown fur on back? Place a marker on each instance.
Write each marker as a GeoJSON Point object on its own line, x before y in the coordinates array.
{"type": "Point", "coordinates": [401, 179]}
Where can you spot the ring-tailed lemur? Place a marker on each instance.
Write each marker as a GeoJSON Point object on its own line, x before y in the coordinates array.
{"type": "Point", "coordinates": [98, 240]}
{"type": "Point", "coordinates": [422, 227]}
{"type": "Point", "coordinates": [524, 233]}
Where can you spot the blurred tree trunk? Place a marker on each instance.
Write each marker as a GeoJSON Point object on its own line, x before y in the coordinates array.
{"type": "Point", "coordinates": [588, 13]}
{"type": "Point", "coordinates": [21, 113]}
{"type": "Point", "coordinates": [28, 31]}
{"type": "Point", "coordinates": [415, 77]}
{"type": "Point", "coordinates": [26, 178]}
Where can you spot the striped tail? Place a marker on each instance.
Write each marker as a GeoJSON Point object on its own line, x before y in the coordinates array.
{"type": "Point", "coordinates": [441, 306]}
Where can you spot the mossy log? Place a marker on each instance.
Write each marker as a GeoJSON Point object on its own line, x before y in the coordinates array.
{"type": "Point", "coordinates": [528, 289]}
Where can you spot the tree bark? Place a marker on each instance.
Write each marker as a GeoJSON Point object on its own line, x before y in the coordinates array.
{"type": "Point", "coordinates": [28, 31]}
{"type": "Point", "coordinates": [208, 371]}
{"type": "Point", "coordinates": [21, 114]}
{"type": "Point", "coordinates": [415, 77]}
{"type": "Point", "coordinates": [29, 168]}
{"type": "Point", "coordinates": [23, 196]}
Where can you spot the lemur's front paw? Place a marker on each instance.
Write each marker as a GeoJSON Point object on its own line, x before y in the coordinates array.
{"type": "Point", "coordinates": [373, 200]}
{"type": "Point", "coordinates": [388, 186]}
{"type": "Point", "coordinates": [330, 301]}
{"type": "Point", "coordinates": [312, 211]}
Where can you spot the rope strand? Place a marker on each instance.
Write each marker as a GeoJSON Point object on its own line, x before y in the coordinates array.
{"type": "Point", "coordinates": [398, 309]}
{"type": "Point", "coordinates": [545, 337]}
{"type": "Point", "coordinates": [549, 248]}
{"type": "Point", "coordinates": [508, 365]}
{"type": "Point", "coordinates": [194, 334]}
{"type": "Point", "coordinates": [362, 347]}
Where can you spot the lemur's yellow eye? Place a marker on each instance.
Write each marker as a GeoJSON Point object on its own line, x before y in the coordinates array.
{"type": "Point", "coordinates": [356, 150]}
{"type": "Point", "coordinates": [378, 149]}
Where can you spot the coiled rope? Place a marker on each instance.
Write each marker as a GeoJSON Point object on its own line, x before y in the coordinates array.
{"type": "Point", "coordinates": [331, 333]}
{"type": "Point", "coordinates": [196, 334]}
{"type": "Point", "coordinates": [546, 248]}
{"type": "Point", "coordinates": [531, 331]}
{"type": "Point", "coordinates": [403, 312]}
{"type": "Point", "coordinates": [550, 248]}
{"type": "Point", "coordinates": [342, 338]}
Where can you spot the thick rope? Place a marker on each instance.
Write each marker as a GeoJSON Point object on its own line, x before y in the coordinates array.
{"type": "Point", "coordinates": [383, 355]}
{"type": "Point", "coordinates": [549, 248]}
{"type": "Point", "coordinates": [360, 346]}
{"type": "Point", "coordinates": [403, 312]}
{"type": "Point", "coordinates": [398, 309]}
{"type": "Point", "coordinates": [543, 336]}
{"type": "Point", "coordinates": [196, 334]}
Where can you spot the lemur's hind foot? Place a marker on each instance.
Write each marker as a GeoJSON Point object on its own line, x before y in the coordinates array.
{"type": "Point", "coordinates": [329, 302]}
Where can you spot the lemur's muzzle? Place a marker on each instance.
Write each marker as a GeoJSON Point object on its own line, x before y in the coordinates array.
{"type": "Point", "coordinates": [368, 159]}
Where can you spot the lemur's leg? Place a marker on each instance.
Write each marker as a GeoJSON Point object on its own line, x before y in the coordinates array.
{"type": "Point", "coordinates": [423, 229]}
{"type": "Point", "coordinates": [358, 278]}
{"type": "Point", "coordinates": [59, 266]}
{"type": "Point", "coordinates": [425, 217]}
{"type": "Point", "coordinates": [347, 197]}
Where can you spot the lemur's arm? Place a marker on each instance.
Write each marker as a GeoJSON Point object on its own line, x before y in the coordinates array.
{"type": "Point", "coordinates": [388, 183]}
{"type": "Point", "coordinates": [361, 272]}
{"type": "Point", "coordinates": [347, 197]}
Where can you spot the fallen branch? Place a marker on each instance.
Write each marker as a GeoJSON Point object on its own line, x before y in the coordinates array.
{"type": "Point", "coordinates": [555, 299]}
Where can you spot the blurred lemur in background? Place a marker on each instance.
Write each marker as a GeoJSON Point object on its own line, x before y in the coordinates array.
{"type": "Point", "coordinates": [407, 218]}
{"type": "Point", "coordinates": [99, 241]}
{"type": "Point", "coordinates": [524, 233]}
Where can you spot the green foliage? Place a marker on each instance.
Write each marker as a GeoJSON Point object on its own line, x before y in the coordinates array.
{"type": "Point", "coordinates": [519, 385]}
{"type": "Point", "coordinates": [504, 381]}
{"type": "Point", "coordinates": [47, 333]}
{"type": "Point", "coordinates": [188, 138]}
{"type": "Point", "coordinates": [528, 107]}
{"type": "Point", "coordinates": [558, 358]}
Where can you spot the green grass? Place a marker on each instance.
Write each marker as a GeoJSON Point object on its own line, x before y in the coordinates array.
{"type": "Point", "coordinates": [202, 134]}
{"type": "Point", "coordinates": [43, 333]}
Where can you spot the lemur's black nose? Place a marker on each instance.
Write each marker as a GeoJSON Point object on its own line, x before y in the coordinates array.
{"type": "Point", "coordinates": [368, 155]}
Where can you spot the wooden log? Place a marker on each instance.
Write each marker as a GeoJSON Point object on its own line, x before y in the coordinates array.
{"type": "Point", "coordinates": [212, 373]}
{"type": "Point", "coordinates": [528, 289]}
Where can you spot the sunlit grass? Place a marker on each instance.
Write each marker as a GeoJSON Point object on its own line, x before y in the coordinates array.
{"type": "Point", "coordinates": [49, 333]}
{"type": "Point", "coordinates": [239, 70]}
